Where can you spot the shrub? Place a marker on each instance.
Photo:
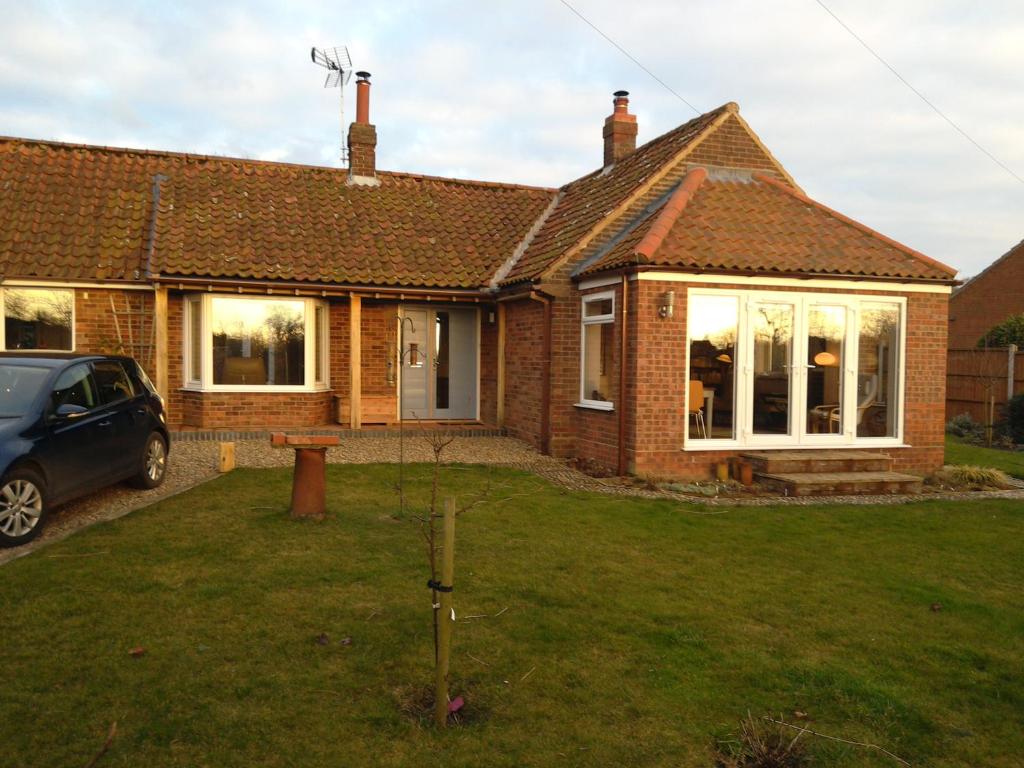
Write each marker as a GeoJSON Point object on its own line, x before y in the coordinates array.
{"type": "Point", "coordinates": [1014, 426]}
{"type": "Point", "coordinates": [1010, 331]}
{"type": "Point", "coordinates": [966, 478]}
{"type": "Point", "coordinates": [965, 426]}
{"type": "Point", "coordinates": [763, 745]}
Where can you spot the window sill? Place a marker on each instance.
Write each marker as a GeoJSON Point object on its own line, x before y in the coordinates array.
{"type": "Point", "coordinates": [595, 405]}
{"type": "Point", "coordinates": [284, 389]}
{"type": "Point", "coordinates": [733, 445]}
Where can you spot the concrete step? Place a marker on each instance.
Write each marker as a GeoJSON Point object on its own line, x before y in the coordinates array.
{"type": "Point", "coordinates": [808, 461]}
{"type": "Point", "coordinates": [840, 483]}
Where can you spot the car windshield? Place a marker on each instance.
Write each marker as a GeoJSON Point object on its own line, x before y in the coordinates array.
{"type": "Point", "coordinates": [19, 385]}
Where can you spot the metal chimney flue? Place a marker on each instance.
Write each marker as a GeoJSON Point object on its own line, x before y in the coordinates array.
{"type": "Point", "coordinates": [363, 98]}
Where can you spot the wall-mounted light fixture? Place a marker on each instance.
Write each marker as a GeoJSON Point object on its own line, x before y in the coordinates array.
{"type": "Point", "coordinates": [825, 359]}
{"type": "Point", "coordinates": [668, 305]}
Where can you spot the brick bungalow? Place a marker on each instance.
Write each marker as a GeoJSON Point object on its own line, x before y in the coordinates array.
{"type": "Point", "coordinates": [993, 295]}
{"type": "Point", "coordinates": [684, 302]}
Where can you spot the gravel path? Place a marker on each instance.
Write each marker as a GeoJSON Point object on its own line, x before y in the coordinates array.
{"type": "Point", "coordinates": [194, 462]}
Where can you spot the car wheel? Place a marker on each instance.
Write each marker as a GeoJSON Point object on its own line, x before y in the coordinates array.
{"type": "Point", "coordinates": [22, 507]}
{"type": "Point", "coordinates": [154, 463]}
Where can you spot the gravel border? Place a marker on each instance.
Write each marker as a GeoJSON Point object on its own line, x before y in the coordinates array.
{"type": "Point", "coordinates": [193, 462]}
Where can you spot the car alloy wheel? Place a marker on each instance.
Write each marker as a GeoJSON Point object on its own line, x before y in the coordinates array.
{"type": "Point", "coordinates": [156, 460]}
{"type": "Point", "coordinates": [21, 506]}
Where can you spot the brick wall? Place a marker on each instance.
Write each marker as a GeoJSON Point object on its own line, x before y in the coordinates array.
{"type": "Point", "coordinates": [246, 410]}
{"type": "Point", "coordinates": [129, 332]}
{"type": "Point", "coordinates": [732, 146]}
{"type": "Point", "coordinates": [488, 365]}
{"type": "Point", "coordinates": [987, 300]}
{"type": "Point", "coordinates": [339, 353]}
{"type": "Point", "coordinates": [595, 434]}
{"type": "Point", "coordinates": [524, 332]}
{"type": "Point", "coordinates": [925, 406]}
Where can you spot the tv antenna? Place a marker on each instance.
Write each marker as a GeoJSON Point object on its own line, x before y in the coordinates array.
{"type": "Point", "coordinates": [338, 64]}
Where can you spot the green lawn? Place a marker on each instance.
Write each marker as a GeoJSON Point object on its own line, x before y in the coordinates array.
{"type": "Point", "coordinates": [959, 452]}
{"type": "Point", "coordinates": [637, 632]}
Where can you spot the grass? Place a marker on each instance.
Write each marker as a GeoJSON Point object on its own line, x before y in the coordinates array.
{"type": "Point", "coordinates": [637, 632]}
{"type": "Point", "coordinates": [959, 452]}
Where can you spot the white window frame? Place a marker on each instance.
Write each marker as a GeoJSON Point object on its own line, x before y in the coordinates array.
{"type": "Point", "coordinates": [584, 401]}
{"type": "Point", "coordinates": [3, 315]}
{"type": "Point", "coordinates": [798, 437]}
{"type": "Point", "coordinates": [205, 382]}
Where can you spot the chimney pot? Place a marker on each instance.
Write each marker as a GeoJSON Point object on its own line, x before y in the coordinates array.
{"type": "Point", "coordinates": [620, 130]}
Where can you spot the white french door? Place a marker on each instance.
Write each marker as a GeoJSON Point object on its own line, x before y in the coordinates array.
{"type": "Point", "coordinates": [796, 375]}
{"type": "Point", "coordinates": [810, 369]}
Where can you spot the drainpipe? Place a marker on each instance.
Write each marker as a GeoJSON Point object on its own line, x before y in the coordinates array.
{"type": "Point", "coordinates": [545, 396]}
{"type": "Point", "coordinates": [623, 332]}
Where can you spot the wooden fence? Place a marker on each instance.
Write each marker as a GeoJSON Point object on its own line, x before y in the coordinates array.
{"type": "Point", "coordinates": [975, 376]}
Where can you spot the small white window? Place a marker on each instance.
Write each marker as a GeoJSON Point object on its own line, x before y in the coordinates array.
{"type": "Point", "coordinates": [38, 318]}
{"type": "Point", "coordinates": [597, 347]}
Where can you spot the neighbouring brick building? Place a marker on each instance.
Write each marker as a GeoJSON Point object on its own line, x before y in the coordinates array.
{"type": "Point", "coordinates": [683, 303]}
{"type": "Point", "coordinates": [987, 299]}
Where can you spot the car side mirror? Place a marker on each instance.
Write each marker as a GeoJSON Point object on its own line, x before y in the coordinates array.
{"type": "Point", "coordinates": [70, 411]}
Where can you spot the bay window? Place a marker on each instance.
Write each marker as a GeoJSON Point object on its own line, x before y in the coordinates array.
{"type": "Point", "coordinates": [37, 318]}
{"type": "Point", "coordinates": [596, 347]}
{"type": "Point", "coordinates": [244, 343]}
{"type": "Point", "coordinates": [778, 369]}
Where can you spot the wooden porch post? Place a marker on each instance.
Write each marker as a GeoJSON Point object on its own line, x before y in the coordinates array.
{"type": "Point", "coordinates": [501, 365]}
{"type": "Point", "coordinates": [355, 360]}
{"type": "Point", "coordinates": [160, 348]}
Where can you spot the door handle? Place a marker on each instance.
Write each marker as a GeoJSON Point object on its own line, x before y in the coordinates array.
{"type": "Point", "coordinates": [105, 423]}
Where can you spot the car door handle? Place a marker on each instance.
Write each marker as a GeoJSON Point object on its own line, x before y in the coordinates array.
{"type": "Point", "coordinates": [105, 423]}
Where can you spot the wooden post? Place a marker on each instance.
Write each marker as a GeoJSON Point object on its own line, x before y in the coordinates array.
{"type": "Point", "coordinates": [501, 365]}
{"type": "Point", "coordinates": [990, 427]}
{"type": "Point", "coordinates": [161, 351]}
{"type": "Point", "coordinates": [355, 362]}
{"type": "Point", "coordinates": [227, 457]}
{"type": "Point", "coordinates": [1011, 361]}
{"type": "Point", "coordinates": [445, 616]}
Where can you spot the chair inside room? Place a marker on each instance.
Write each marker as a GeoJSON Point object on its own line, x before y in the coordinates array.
{"type": "Point", "coordinates": [695, 405]}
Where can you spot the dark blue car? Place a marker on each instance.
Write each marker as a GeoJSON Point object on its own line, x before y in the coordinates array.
{"type": "Point", "coordinates": [70, 424]}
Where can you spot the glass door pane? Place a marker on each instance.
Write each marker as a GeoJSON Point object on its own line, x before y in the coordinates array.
{"type": "Point", "coordinates": [826, 335]}
{"type": "Point", "coordinates": [878, 370]}
{"type": "Point", "coordinates": [442, 373]}
{"type": "Point", "coordinates": [416, 364]}
{"type": "Point", "coordinates": [772, 331]}
{"type": "Point", "coordinates": [711, 390]}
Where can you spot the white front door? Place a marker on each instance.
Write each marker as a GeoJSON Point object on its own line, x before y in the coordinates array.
{"type": "Point", "coordinates": [439, 363]}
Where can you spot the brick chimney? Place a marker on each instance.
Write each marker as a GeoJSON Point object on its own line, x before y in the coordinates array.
{"type": "Point", "coordinates": [362, 137]}
{"type": "Point", "coordinates": [619, 130]}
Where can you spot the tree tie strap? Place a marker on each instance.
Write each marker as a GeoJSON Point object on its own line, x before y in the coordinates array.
{"type": "Point", "coordinates": [438, 587]}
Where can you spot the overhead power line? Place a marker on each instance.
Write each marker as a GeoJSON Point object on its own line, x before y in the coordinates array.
{"type": "Point", "coordinates": [631, 57]}
{"type": "Point", "coordinates": [920, 95]}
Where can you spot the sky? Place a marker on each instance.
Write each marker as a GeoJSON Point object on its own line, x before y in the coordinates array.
{"type": "Point", "coordinates": [517, 91]}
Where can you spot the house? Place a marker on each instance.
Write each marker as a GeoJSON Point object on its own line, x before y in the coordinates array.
{"type": "Point", "coordinates": [987, 299]}
{"type": "Point", "coordinates": [683, 303]}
